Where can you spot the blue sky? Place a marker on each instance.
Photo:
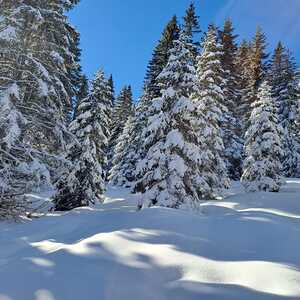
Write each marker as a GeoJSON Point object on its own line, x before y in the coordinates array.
{"type": "Point", "coordinates": [119, 35]}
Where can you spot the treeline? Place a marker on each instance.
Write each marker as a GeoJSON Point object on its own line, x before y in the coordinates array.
{"type": "Point", "coordinates": [211, 110]}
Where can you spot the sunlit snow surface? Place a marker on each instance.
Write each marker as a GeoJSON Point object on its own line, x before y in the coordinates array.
{"type": "Point", "coordinates": [246, 247]}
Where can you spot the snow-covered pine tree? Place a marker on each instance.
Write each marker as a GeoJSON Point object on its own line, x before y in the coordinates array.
{"type": "Point", "coordinates": [12, 203]}
{"type": "Point", "coordinates": [83, 182]}
{"type": "Point", "coordinates": [258, 57]}
{"type": "Point", "coordinates": [256, 73]}
{"type": "Point", "coordinates": [111, 96]}
{"type": "Point", "coordinates": [38, 74]}
{"type": "Point", "coordinates": [231, 126]}
{"type": "Point", "coordinates": [284, 90]}
{"type": "Point", "coordinates": [112, 89]}
{"type": "Point", "coordinates": [101, 92]}
{"type": "Point", "coordinates": [151, 90]}
{"type": "Point", "coordinates": [263, 145]}
{"type": "Point", "coordinates": [191, 28]}
{"type": "Point", "coordinates": [191, 24]}
{"type": "Point", "coordinates": [160, 58]}
{"type": "Point", "coordinates": [122, 109]}
{"type": "Point", "coordinates": [132, 152]}
{"type": "Point", "coordinates": [209, 100]}
{"type": "Point", "coordinates": [122, 171]}
{"type": "Point", "coordinates": [296, 136]}
{"type": "Point", "coordinates": [171, 172]}
{"type": "Point", "coordinates": [38, 55]}
{"type": "Point", "coordinates": [242, 63]}
{"type": "Point", "coordinates": [83, 92]}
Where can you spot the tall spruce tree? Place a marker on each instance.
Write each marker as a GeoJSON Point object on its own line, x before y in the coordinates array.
{"type": "Point", "coordinates": [83, 182]}
{"type": "Point", "coordinates": [122, 109]}
{"type": "Point", "coordinates": [170, 172]}
{"type": "Point", "coordinates": [112, 89]}
{"type": "Point", "coordinates": [83, 92]}
{"type": "Point", "coordinates": [263, 146]}
{"type": "Point", "coordinates": [256, 64]}
{"type": "Point", "coordinates": [122, 171]}
{"type": "Point", "coordinates": [242, 63]}
{"type": "Point", "coordinates": [209, 99]}
{"type": "Point", "coordinates": [101, 92]}
{"type": "Point", "coordinates": [191, 28]}
{"type": "Point", "coordinates": [131, 152]}
{"type": "Point", "coordinates": [231, 125]}
{"type": "Point", "coordinates": [296, 135]}
{"type": "Point", "coordinates": [160, 57]}
{"type": "Point", "coordinates": [284, 89]}
{"type": "Point", "coordinates": [258, 57]}
{"type": "Point", "coordinates": [39, 71]}
{"type": "Point", "coordinates": [191, 24]}
{"type": "Point", "coordinates": [151, 90]}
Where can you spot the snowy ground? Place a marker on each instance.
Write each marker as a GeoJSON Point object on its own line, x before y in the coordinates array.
{"type": "Point", "coordinates": [246, 248]}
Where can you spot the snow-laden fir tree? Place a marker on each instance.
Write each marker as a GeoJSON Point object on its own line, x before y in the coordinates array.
{"type": "Point", "coordinates": [255, 72]}
{"type": "Point", "coordinates": [39, 55]}
{"type": "Point", "coordinates": [151, 90]}
{"type": "Point", "coordinates": [231, 125]}
{"type": "Point", "coordinates": [83, 182]}
{"type": "Point", "coordinates": [191, 24]}
{"type": "Point", "coordinates": [161, 53]}
{"type": "Point", "coordinates": [284, 90]}
{"type": "Point", "coordinates": [122, 109]}
{"type": "Point", "coordinates": [83, 92]}
{"type": "Point", "coordinates": [242, 64]}
{"type": "Point", "coordinates": [12, 203]}
{"type": "Point", "coordinates": [112, 89]}
{"type": "Point", "coordinates": [209, 100]}
{"type": "Point", "coordinates": [293, 161]}
{"type": "Point", "coordinates": [263, 145]}
{"type": "Point", "coordinates": [191, 28]}
{"type": "Point", "coordinates": [131, 152]}
{"type": "Point", "coordinates": [258, 56]}
{"type": "Point", "coordinates": [101, 93]}
{"type": "Point", "coordinates": [295, 131]}
{"type": "Point", "coordinates": [171, 173]}
{"type": "Point", "coordinates": [160, 57]}
{"type": "Point", "coordinates": [122, 171]}
{"type": "Point", "coordinates": [39, 70]}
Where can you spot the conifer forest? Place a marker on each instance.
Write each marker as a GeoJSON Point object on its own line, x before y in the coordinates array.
{"type": "Point", "coordinates": [190, 191]}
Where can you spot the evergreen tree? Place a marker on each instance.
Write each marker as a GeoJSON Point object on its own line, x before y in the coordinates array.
{"type": "Point", "coordinates": [191, 22]}
{"type": "Point", "coordinates": [112, 89]}
{"type": "Point", "coordinates": [150, 91]}
{"type": "Point", "coordinates": [123, 108]}
{"type": "Point", "coordinates": [40, 59]}
{"type": "Point", "coordinates": [132, 152]}
{"type": "Point", "coordinates": [263, 148]}
{"type": "Point", "coordinates": [191, 27]}
{"type": "Point", "coordinates": [111, 96]}
{"type": "Point", "coordinates": [83, 93]}
{"type": "Point", "coordinates": [258, 56]}
{"type": "Point", "coordinates": [256, 72]}
{"type": "Point", "coordinates": [231, 126]}
{"type": "Point", "coordinates": [39, 71]}
{"type": "Point", "coordinates": [170, 172]}
{"type": "Point", "coordinates": [83, 182]}
{"type": "Point", "coordinates": [295, 138]}
{"type": "Point", "coordinates": [101, 92]}
{"type": "Point", "coordinates": [122, 170]}
{"type": "Point", "coordinates": [242, 63]}
{"type": "Point", "coordinates": [160, 57]}
{"type": "Point", "coordinates": [210, 98]}
{"type": "Point", "coordinates": [284, 90]}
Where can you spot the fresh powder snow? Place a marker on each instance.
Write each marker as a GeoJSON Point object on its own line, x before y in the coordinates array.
{"type": "Point", "coordinates": [245, 246]}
